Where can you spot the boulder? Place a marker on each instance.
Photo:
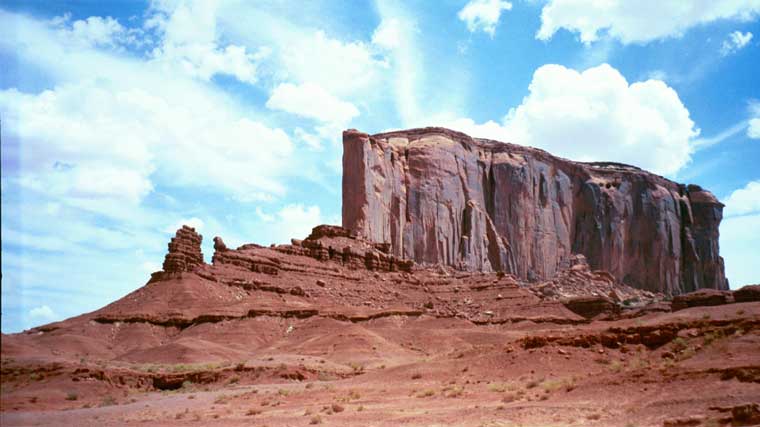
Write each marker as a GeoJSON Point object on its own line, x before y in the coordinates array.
{"type": "Point", "coordinates": [747, 293]}
{"type": "Point", "coordinates": [591, 306]}
{"type": "Point", "coordinates": [700, 298]}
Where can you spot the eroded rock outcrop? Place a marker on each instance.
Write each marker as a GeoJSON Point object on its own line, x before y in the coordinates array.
{"type": "Point", "coordinates": [438, 196]}
{"type": "Point", "coordinates": [184, 251]}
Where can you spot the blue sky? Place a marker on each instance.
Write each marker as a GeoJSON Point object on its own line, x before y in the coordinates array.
{"type": "Point", "coordinates": [122, 120]}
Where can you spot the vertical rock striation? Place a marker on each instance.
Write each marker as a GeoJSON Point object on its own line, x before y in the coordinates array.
{"type": "Point", "coordinates": [438, 196]}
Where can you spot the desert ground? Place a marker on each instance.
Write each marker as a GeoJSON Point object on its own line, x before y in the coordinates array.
{"type": "Point", "coordinates": [314, 341]}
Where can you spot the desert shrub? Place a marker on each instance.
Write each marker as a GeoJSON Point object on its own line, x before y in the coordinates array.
{"type": "Point", "coordinates": [534, 383]}
{"type": "Point", "coordinates": [72, 396]}
{"type": "Point", "coordinates": [453, 391]}
{"type": "Point", "coordinates": [426, 393]}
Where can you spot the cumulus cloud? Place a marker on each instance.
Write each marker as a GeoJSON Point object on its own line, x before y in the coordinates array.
{"type": "Point", "coordinates": [738, 234]}
{"type": "Point", "coordinates": [190, 42]}
{"type": "Point", "coordinates": [135, 134]}
{"type": "Point", "coordinates": [597, 115]}
{"type": "Point", "coordinates": [311, 101]}
{"type": "Point", "coordinates": [639, 21]}
{"type": "Point", "coordinates": [738, 246]}
{"type": "Point", "coordinates": [338, 67]}
{"type": "Point", "coordinates": [42, 314]}
{"type": "Point", "coordinates": [95, 31]}
{"type": "Point", "coordinates": [290, 221]}
{"type": "Point", "coordinates": [744, 200]}
{"type": "Point", "coordinates": [483, 15]}
{"type": "Point", "coordinates": [389, 34]}
{"type": "Point", "coordinates": [735, 42]}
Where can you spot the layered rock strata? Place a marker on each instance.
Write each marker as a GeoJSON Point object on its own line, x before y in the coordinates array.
{"type": "Point", "coordinates": [184, 251]}
{"type": "Point", "coordinates": [438, 196]}
{"type": "Point", "coordinates": [325, 243]}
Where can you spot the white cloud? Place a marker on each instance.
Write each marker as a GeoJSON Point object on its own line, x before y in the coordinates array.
{"type": "Point", "coordinates": [735, 42]}
{"type": "Point", "coordinates": [193, 222]}
{"type": "Point", "coordinates": [101, 140]}
{"type": "Point", "coordinates": [190, 42]}
{"type": "Point", "coordinates": [596, 115]}
{"type": "Point", "coordinates": [311, 101]}
{"type": "Point", "coordinates": [150, 267]}
{"type": "Point", "coordinates": [263, 216]}
{"type": "Point", "coordinates": [638, 21]}
{"type": "Point", "coordinates": [290, 221]}
{"type": "Point", "coordinates": [42, 314]}
{"type": "Point", "coordinates": [738, 246]}
{"type": "Point", "coordinates": [753, 128]}
{"type": "Point", "coordinates": [330, 63]}
{"type": "Point", "coordinates": [389, 34]}
{"type": "Point", "coordinates": [407, 72]}
{"type": "Point", "coordinates": [483, 15]}
{"type": "Point", "coordinates": [739, 233]}
{"type": "Point", "coordinates": [313, 141]}
{"type": "Point", "coordinates": [93, 31]}
{"type": "Point", "coordinates": [743, 201]}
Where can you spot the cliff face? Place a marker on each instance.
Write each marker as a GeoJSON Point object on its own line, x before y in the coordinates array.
{"type": "Point", "coordinates": [439, 196]}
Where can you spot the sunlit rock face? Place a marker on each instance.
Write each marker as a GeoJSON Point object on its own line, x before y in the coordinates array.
{"type": "Point", "coordinates": [439, 196]}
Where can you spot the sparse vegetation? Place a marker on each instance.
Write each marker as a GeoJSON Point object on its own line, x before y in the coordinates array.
{"type": "Point", "coordinates": [426, 393]}
{"type": "Point", "coordinates": [534, 383]}
{"type": "Point", "coordinates": [72, 396]}
{"type": "Point", "coordinates": [221, 399]}
{"type": "Point", "coordinates": [557, 384]}
{"type": "Point", "coordinates": [108, 401]}
{"type": "Point", "coordinates": [713, 336]}
{"type": "Point", "coordinates": [453, 391]}
{"type": "Point", "coordinates": [502, 387]}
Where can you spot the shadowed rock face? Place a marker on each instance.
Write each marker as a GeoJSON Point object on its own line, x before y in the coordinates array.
{"type": "Point", "coordinates": [439, 196]}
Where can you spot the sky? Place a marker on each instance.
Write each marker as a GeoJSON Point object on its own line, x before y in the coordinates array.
{"type": "Point", "coordinates": [123, 120]}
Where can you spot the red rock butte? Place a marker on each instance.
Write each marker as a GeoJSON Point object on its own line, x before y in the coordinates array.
{"type": "Point", "coordinates": [474, 284]}
{"type": "Point", "coordinates": [439, 196]}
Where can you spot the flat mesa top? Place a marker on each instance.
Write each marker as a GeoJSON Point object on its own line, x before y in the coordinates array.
{"type": "Point", "coordinates": [496, 146]}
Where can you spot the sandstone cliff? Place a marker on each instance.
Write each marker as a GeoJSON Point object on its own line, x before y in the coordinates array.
{"type": "Point", "coordinates": [439, 196]}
